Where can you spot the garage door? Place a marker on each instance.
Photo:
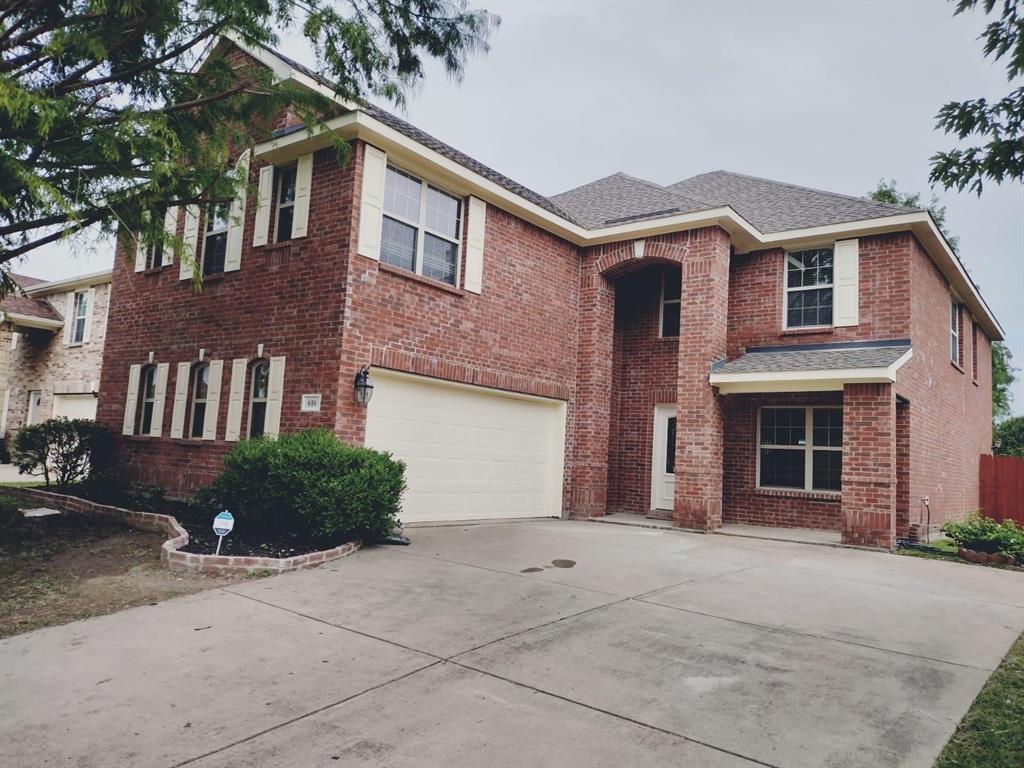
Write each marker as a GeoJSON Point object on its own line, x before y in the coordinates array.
{"type": "Point", "coordinates": [472, 453]}
{"type": "Point", "coordinates": [74, 406]}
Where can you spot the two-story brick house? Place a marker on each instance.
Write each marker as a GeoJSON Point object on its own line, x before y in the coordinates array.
{"type": "Point", "coordinates": [726, 348]}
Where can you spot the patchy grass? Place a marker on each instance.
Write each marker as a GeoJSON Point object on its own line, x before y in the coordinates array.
{"type": "Point", "coordinates": [991, 735]}
{"type": "Point", "coordinates": [947, 550]}
{"type": "Point", "coordinates": [66, 567]}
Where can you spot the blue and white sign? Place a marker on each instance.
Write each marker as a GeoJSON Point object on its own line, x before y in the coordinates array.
{"type": "Point", "coordinates": [223, 523]}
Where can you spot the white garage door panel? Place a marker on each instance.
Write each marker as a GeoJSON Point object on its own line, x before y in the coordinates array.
{"type": "Point", "coordinates": [74, 406]}
{"type": "Point", "coordinates": [471, 453]}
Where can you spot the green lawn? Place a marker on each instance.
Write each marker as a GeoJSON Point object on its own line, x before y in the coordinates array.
{"type": "Point", "coordinates": [991, 735]}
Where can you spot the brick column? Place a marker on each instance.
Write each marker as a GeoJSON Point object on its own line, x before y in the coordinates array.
{"type": "Point", "coordinates": [869, 465]}
{"type": "Point", "coordinates": [588, 494]}
{"type": "Point", "coordinates": [703, 315]}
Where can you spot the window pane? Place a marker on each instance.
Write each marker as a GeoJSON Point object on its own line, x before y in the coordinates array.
{"type": "Point", "coordinates": [443, 213]}
{"type": "Point", "coordinates": [79, 330]}
{"type": "Point", "coordinates": [439, 257]}
{"type": "Point", "coordinates": [217, 218]}
{"type": "Point", "coordinates": [783, 426]}
{"type": "Point", "coordinates": [198, 417]}
{"type": "Point", "coordinates": [782, 468]}
{"type": "Point", "coordinates": [811, 307]}
{"type": "Point", "coordinates": [202, 382]}
{"type": "Point", "coordinates": [258, 419]}
{"type": "Point", "coordinates": [672, 283]}
{"type": "Point", "coordinates": [809, 268]}
{"type": "Point", "coordinates": [285, 217]}
{"type": "Point", "coordinates": [287, 189]}
{"type": "Point", "coordinates": [260, 380]}
{"type": "Point", "coordinates": [149, 389]}
{"type": "Point", "coordinates": [147, 417]}
{"type": "Point", "coordinates": [670, 446]}
{"type": "Point", "coordinates": [402, 195]}
{"type": "Point", "coordinates": [828, 470]}
{"type": "Point", "coordinates": [213, 253]}
{"type": "Point", "coordinates": [398, 244]}
{"type": "Point", "coordinates": [828, 427]}
{"type": "Point", "coordinates": [670, 319]}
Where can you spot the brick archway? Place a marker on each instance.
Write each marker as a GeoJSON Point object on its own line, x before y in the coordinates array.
{"type": "Point", "coordinates": [621, 259]}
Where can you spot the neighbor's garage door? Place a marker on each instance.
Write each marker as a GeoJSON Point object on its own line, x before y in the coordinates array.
{"type": "Point", "coordinates": [471, 452]}
{"type": "Point", "coordinates": [74, 406]}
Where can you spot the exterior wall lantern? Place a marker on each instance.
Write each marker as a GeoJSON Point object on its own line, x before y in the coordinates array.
{"type": "Point", "coordinates": [363, 385]}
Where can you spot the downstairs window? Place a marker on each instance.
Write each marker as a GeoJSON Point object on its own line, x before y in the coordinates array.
{"type": "Point", "coordinates": [800, 448]}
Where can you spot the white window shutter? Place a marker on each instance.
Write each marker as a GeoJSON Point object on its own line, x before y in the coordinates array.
{"type": "Point", "coordinates": [171, 228]}
{"type": "Point", "coordinates": [371, 206]}
{"type": "Point", "coordinates": [190, 237]}
{"type": "Point", "coordinates": [236, 397]}
{"type": "Point", "coordinates": [303, 190]}
{"type": "Point", "coordinates": [275, 395]}
{"type": "Point", "coordinates": [90, 300]}
{"type": "Point", "coordinates": [264, 202]}
{"type": "Point", "coordinates": [213, 400]}
{"type": "Point", "coordinates": [846, 279]}
{"type": "Point", "coordinates": [133, 400]}
{"type": "Point", "coordinates": [236, 218]}
{"type": "Point", "coordinates": [69, 318]}
{"type": "Point", "coordinates": [475, 229]}
{"type": "Point", "coordinates": [156, 426]}
{"type": "Point", "coordinates": [180, 399]}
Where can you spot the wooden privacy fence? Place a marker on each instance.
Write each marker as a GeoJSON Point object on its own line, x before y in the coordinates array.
{"type": "Point", "coordinates": [1002, 487]}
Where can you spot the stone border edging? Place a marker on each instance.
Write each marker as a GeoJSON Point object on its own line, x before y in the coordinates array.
{"type": "Point", "coordinates": [170, 555]}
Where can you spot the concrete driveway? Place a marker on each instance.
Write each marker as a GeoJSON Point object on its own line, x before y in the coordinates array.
{"type": "Point", "coordinates": [470, 648]}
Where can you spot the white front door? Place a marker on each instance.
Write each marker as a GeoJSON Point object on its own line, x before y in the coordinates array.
{"type": "Point", "coordinates": [663, 464]}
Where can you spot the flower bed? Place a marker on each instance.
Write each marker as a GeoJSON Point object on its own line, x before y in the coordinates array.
{"type": "Point", "coordinates": [171, 553]}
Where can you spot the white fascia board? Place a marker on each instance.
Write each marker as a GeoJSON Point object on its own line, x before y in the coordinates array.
{"type": "Point", "coordinates": [28, 321]}
{"type": "Point", "coordinates": [69, 283]}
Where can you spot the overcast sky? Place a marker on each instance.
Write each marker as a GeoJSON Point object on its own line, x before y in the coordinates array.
{"type": "Point", "coordinates": [827, 95]}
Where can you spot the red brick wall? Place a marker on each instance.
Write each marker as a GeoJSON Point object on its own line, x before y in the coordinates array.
{"type": "Point", "coordinates": [743, 501]}
{"type": "Point", "coordinates": [950, 414]}
{"type": "Point", "coordinates": [756, 297]}
{"type": "Point", "coordinates": [645, 375]}
{"type": "Point", "coordinates": [869, 465]}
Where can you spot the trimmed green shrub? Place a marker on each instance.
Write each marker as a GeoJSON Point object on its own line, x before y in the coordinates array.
{"type": "Point", "coordinates": [309, 484]}
{"type": "Point", "coordinates": [983, 534]}
{"type": "Point", "coordinates": [63, 450]}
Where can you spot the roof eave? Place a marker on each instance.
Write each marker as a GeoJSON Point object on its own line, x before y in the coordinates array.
{"type": "Point", "coordinates": [69, 283]}
{"type": "Point", "coordinates": [30, 321]}
{"type": "Point", "coordinates": [819, 380]}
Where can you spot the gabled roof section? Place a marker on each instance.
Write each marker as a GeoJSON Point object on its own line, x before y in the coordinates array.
{"type": "Point", "coordinates": [16, 304]}
{"type": "Point", "coordinates": [619, 198]}
{"type": "Point", "coordinates": [774, 206]}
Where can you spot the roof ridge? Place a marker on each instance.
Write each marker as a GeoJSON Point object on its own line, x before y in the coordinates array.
{"type": "Point", "coordinates": [807, 189]}
{"type": "Point", "coordinates": [590, 183]}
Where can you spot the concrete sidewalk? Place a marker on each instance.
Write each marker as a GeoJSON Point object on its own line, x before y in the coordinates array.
{"type": "Point", "coordinates": [535, 644]}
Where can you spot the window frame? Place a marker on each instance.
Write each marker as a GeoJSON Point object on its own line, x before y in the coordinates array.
{"type": "Point", "coordinates": [253, 399]}
{"type": "Point", "coordinates": [209, 233]}
{"type": "Point", "coordinates": [76, 317]}
{"type": "Point", "coordinates": [974, 351]}
{"type": "Point", "coordinates": [786, 290]}
{"type": "Point", "coordinates": [147, 372]}
{"type": "Point", "coordinates": [279, 174]}
{"type": "Point", "coordinates": [421, 229]}
{"type": "Point", "coordinates": [955, 332]}
{"type": "Point", "coordinates": [193, 400]}
{"type": "Point", "coordinates": [663, 301]}
{"type": "Point", "coordinates": [808, 448]}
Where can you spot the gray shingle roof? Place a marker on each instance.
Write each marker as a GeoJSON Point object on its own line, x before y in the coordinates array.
{"type": "Point", "coordinates": [815, 357]}
{"type": "Point", "coordinates": [774, 206]}
{"type": "Point", "coordinates": [619, 198]}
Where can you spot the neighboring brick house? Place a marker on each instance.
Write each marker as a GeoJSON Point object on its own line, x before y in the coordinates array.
{"type": "Point", "coordinates": [50, 365]}
{"type": "Point", "coordinates": [723, 349]}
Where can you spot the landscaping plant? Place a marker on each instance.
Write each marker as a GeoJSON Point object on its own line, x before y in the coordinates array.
{"type": "Point", "coordinates": [311, 485]}
{"type": "Point", "coordinates": [983, 534]}
{"type": "Point", "coordinates": [62, 450]}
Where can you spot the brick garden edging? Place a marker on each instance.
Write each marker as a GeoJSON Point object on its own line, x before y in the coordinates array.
{"type": "Point", "coordinates": [170, 555]}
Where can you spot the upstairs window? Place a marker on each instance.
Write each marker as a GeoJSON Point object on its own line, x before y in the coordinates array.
{"type": "Point", "coordinates": [974, 351]}
{"type": "Point", "coordinates": [200, 390]}
{"type": "Point", "coordinates": [809, 288]}
{"type": "Point", "coordinates": [148, 394]}
{"type": "Point", "coordinates": [422, 227]}
{"type": "Point", "coordinates": [800, 448]}
{"type": "Point", "coordinates": [954, 333]}
{"type": "Point", "coordinates": [79, 317]}
{"type": "Point", "coordinates": [671, 284]}
{"type": "Point", "coordinates": [215, 242]}
{"type": "Point", "coordinates": [258, 398]}
{"type": "Point", "coordinates": [285, 204]}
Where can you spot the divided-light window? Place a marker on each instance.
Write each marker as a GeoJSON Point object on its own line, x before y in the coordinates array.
{"type": "Point", "coordinates": [422, 227]}
{"type": "Point", "coordinates": [258, 398]}
{"type": "Point", "coordinates": [809, 288]}
{"type": "Point", "coordinates": [285, 204]}
{"type": "Point", "coordinates": [200, 394]}
{"type": "Point", "coordinates": [800, 448]}
{"type": "Point", "coordinates": [80, 317]}
{"type": "Point", "coordinates": [671, 285]}
{"type": "Point", "coordinates": [954, 332]}
{"type": "Point", "coordinates": [215, 242]}
{"type": "Point", "coordinates": [148, 394]}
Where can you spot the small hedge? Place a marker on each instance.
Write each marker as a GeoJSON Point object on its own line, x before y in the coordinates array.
{"type": "Point", "coordinates": [63, 451]}
{"type": "Point", "coordinates": [309, 484]}
{"type": "Point", "coordinates": [983, 534]}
